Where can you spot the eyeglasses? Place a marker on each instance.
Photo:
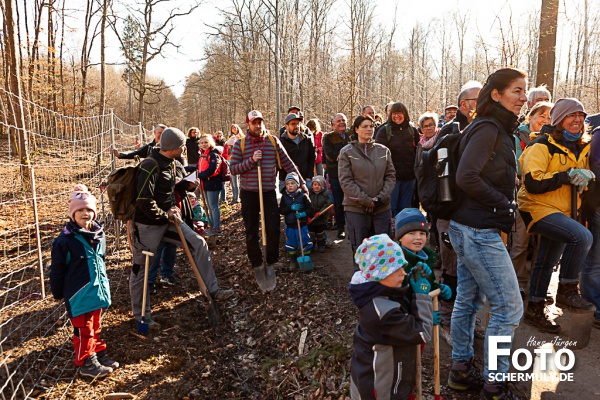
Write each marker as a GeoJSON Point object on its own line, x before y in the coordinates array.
{"type": "Point", "coordinates": [428, 126]}
{"type": "Point", "coordinates": [576, 115]}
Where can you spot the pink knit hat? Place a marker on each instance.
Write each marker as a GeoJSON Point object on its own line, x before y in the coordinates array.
{"type": "Point", "coordinates": [81, 198]}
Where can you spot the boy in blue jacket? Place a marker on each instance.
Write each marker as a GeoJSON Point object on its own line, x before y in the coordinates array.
{"type": "Point", "coordinates": [393, 318]}
{"type": "Point", "coordinates": [78, 275]}
{"type": "Point", "coordinates": [295, 206]}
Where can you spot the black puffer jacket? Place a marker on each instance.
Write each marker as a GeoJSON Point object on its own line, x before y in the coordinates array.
{"type": "Point", "coordinates": [403, 146]}
{"type": "Point", "coordinates": [487, 172]}
{"type": "Point", "coordinates": [302, 154]}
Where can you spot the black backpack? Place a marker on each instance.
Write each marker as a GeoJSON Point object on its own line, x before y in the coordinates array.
{"type": "Point", "coordinates": [436, 179]}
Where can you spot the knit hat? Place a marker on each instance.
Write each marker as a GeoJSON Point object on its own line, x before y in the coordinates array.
{"type": "Point", "coordinates": [320, 180]}
{"type": "Point", "coordinates": [171, 139]}
{"type": "Point", "coordinates": [408, 220]}
{"type": "Point", "coordinates": [292, 176]}
{"type": "Point", "coordinates": [564, 107]}
{"type": "Point", "coordinates": [81, 198]}
{"type": "Point", "coordinates": [378, 257]}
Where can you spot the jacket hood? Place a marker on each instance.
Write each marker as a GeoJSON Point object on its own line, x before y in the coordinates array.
{"type": "Point", "coordinates": [363, 291]}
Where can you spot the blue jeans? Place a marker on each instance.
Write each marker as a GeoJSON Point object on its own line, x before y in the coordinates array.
{"type": "Point", "coordinates": [212, 197]}
{"type": "Point", "coordinates": [223, 194]}
{"type": "Point", "coordinates": [338, 198]}
{"type": "Point", "coordinates": [484, 270]}
{"type": "Point", "coordinates": [402, 196]}
{"type": "Point", "coordinates": [165, 259]}
{"type": "Point", "coordinates": [234, 187]}
{"type": "Point", "coordinates": [590, 273]}
{"type": "Point", "coordinates": [560, 235]}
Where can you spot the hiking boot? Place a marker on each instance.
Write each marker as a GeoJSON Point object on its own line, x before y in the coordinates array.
{"type": "Point", "coordinates": [341, 235]}
{"type": "Point", "coordinates": [294, 264]}
{"type": "Point", "coordinates": [567, 296]}
{"type": "Point", "coordinates": [535, 315]}
{"type": "Point", "coordinates": [170, 280]}
{"type": "Point", "coordinates": [222, 294]}
{"type": "Point", "coordinates": [92, 368]}
{"type": "Point", "coordinates": [465, 376]}
{"type": "Point", "coordinates": [107, 362]}
{"type": "Point", "coordinates": [497, 391]}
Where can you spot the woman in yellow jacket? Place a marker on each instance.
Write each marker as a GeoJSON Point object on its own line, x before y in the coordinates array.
{"type": "Point", "coordinates": [552, 168]}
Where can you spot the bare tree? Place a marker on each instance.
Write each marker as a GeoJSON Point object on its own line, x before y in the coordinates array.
{"type": "Point", "coordinates": [547, 43]}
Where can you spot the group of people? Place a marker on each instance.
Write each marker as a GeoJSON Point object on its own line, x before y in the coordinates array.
{"type": "Point", "coordinates": [523, 175]}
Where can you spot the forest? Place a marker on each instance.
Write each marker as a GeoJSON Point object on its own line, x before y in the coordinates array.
{"type": "Point", "coordinates": [326, 56]}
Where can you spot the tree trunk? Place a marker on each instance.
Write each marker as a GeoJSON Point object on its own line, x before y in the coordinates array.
{"type": "Point", "coordinates": [547, 43]}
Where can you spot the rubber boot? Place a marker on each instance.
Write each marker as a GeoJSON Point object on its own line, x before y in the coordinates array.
{"type": "Point", "coordinates": [536, 316]}
{"type": "Point", "coordinates": [321, 241]}
{"type": "Point", "coordinates": [567, 296]}
{"type": "Point", "coordinates": [294, 263]}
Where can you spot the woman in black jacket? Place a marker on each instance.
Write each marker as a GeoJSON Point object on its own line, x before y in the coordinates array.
{"type": "Point", "coordinates": [487, 176]}
{"type": "Point", "coordinates": [192, 147]}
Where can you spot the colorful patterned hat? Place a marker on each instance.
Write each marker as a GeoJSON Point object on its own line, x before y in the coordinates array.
{"type": "Point", "coordinates": [379, 256]}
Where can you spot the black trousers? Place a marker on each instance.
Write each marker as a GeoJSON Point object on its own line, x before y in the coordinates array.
{"type": "Point", "coordinates": [251, 215]}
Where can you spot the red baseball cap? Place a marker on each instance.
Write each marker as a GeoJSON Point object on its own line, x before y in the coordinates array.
{"type": "Point", "coordinates": [254, 114]}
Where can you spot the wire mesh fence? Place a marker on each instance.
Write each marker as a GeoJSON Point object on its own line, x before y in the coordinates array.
{"type": "Point", "coordinates": [35, 335]}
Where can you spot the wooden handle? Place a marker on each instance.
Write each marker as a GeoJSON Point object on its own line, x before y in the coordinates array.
{"type": "Point", "coordinates": [300, 237]}
{"type": "Point", "coordinates": [145, 291]}
{"type": "Point", "coordinates": [436, 351]}
{"type": "Point", "coordinates": [262, 206]}
{"type": "Point", "coordinates": [191, 260]}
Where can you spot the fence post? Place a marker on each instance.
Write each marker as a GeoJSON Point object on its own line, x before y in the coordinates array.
{"type": "Point", "coordinates": [37, 233]}
{"type": "Point", "coordinates": [142, 134]}
{"type": "Point", "coordinates": [112, 137]}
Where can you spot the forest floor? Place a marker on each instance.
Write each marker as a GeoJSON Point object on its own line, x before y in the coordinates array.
{"type": "Point", "coordinates": [255, 352]}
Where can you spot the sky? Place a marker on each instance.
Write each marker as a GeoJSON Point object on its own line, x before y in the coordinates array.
{"type": "Point", "coordinates": [192, 32]}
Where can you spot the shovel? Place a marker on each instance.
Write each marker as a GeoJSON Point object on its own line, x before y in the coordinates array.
{"type": "Point", "coordinates": [304, 262]}
{"type": "Point", "coordinates": [265, 274]}
{"type": "Point", "coordinates": [142, 324]}
{"type": "Point", "coordinates": [211, 307]}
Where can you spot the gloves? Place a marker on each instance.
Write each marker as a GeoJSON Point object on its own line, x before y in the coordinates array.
{"type": "Point", "coordinates": [446, 240]}
{"type": "Point", "coordinates": [420, 284]}
{"type": "Point", "coordinates": [300, 215]}
{"type": "Point", "coordinates": [437, 317]}
{"type": "Point", "coordinates": [510, 210]}
{"type": "Point", "coordinates": [580, 177]}
{"type": "Point", "coordinates": [424, 267]}
{"type": "Point", "coordinates": [446, 292]}
{"type": "Point", "coordinates": [295, 207]}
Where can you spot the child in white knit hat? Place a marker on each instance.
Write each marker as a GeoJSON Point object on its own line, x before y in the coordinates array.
{"type": "Point", "coordinates": [78, 275]}
{"type": "Point", "coordinates": [393, 319]}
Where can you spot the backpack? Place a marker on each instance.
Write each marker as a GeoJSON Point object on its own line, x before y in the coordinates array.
{"type": "Point", "coordinates": [224, 170]}
{"type": "Point", "coordinates": [272, 139]}
{"type": "Point", "coordinates": [436, 179]}
{"type": "Point", "coordinates": [121, 190]}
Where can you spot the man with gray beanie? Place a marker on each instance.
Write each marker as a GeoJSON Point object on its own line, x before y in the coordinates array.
{"type": "Point", "coordinates": [160, 176]}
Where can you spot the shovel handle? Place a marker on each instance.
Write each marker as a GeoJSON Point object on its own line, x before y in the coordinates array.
{"type": "Point", "coordinates": [262, 206]}
{"type": "Point", "coordinates": [436, 352]}
{"type": "Point", "coordinates": [177, 221]}
{"type": "Point", "coordinates": [148, 254]}
{"type": "Point", "coordinates": [300, 238]}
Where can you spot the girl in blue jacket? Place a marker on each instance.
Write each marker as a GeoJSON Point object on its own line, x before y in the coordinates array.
{"type": "Point", "coordinates": [78, 275]}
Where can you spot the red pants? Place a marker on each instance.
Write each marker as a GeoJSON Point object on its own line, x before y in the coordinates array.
{"type": "Point", "coordinates": [86, 337]}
